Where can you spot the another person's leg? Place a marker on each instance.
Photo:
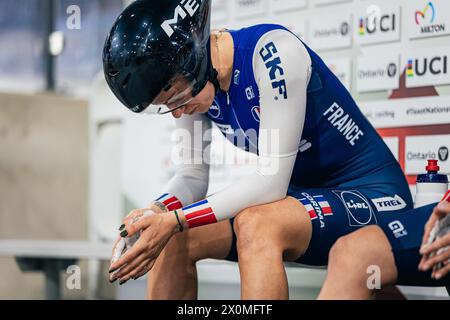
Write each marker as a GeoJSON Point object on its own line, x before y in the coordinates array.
{"type": "Point", "coordinates": [355, 262]}
{"type": "Point", "coordinates": [174, 275]}
{"type": "Point", "coordinates": [267, 235]}
{"type": "Point", "coordinates": [393, 246]}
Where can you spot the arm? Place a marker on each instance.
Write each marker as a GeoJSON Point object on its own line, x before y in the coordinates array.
{"type": "Point", "coordinates": [279, 56]}
{"type": "Point", "coordinates": [190, 182]}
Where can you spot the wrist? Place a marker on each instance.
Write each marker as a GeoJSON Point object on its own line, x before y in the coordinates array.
{"type": "Point", "coordinates": [176, 224]}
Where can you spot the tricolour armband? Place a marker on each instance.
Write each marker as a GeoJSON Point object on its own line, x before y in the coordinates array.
{"type": "Point", "coordinates": [199, 214]}
{"type": "Point", "coordinates": [171, 202]}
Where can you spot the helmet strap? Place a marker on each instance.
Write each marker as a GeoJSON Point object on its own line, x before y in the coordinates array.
{"type": "Point", "coordinates": [212, 73]}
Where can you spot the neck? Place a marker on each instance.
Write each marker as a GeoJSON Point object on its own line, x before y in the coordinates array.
{"type": "Point", "coordinates": [222, 53]}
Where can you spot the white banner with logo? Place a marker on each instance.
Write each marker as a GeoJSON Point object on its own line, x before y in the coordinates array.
{"type": "Point", "coordinates": [330, 31]}
{"type": "Point", "coordinates": [419, 149]}
{"type": "Point", "coordinates": [424, 19]}
{"type": "Point", "coordinates": [376, 22]}
{"type": "Point", "coordinates": [377, 72]}
{"type": "Point", "coordinates": [283, 5]}
{"type": "Point", "coordinates": [407, 112]}
{"type": "Point", "coordinates": [427, 67]}
{"type": "Point", "coordinates": [247, 8]}
{"type": "Point", "coordinates": [341, 67]}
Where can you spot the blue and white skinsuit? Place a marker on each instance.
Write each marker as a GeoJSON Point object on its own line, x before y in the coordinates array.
{"type": "Point", "coordinates": [328, 156]}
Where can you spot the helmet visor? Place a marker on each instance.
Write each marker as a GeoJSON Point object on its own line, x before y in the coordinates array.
{"type": "Point", "coordinates": [177, 93]}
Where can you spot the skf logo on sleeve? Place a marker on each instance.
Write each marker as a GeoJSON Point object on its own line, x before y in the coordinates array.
{"type": "Point", "coordinates": [269, 54]}
{"type": "Point", "coordinates": [182, 10]}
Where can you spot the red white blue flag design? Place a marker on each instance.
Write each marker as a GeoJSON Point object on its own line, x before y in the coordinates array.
{"type": "Point", "coordinates": [317, 205]}
{"type": "Point", "coordinates": [171, 202]}
{"type": "Point", "coordinates": [199, 214]}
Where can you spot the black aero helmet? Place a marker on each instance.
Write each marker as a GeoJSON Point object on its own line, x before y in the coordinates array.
{"type": "Point", "coordinates": [154, 43]}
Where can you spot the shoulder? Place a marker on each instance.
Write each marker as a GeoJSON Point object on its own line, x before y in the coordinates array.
{"type": "Point", "coordinates": [281, 49]}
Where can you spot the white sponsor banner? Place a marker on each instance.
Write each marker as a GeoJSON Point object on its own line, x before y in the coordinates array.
{"type": "Point", "coordinates": [407, 112]}
{"type": "Point", "coordinates": [327, 2]}
{"type": "Point", "coordinates": [376, 22]}
{"type": "Point", "coordinates": [219, 11]}
{"type": "Point", "coordinates": [377, 72]}
{"type": "Point", "coordinates": [427, 67]}
{"type": "Point", "coordinates": [330, 31]}
{"type": "Point", "coordinates": [393, 145]}
{"type": "Point", "coordinates": [341, 67]}
{"type": "Point", "coordinates": [426, 19]}
{"type": "Point", "coordinates": [419, 149]}
{"type": "Point", "coordinates": [283, 5]}
{"type": "Point", "coordinates": [246, 8]}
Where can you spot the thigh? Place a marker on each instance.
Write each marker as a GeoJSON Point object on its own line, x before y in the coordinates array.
{"type": "Point", "coordinates": [283, 224]}
{"type": "Point", "coordinates": [335, 212]}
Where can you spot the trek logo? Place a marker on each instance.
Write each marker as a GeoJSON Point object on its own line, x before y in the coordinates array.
{"type": "Point", "coordinates": [374, 23]}
{"type": "Point", "coordinates": [343, 123]}
{"type": "Point", "coordinates": [185, 8]}
{"type": "Point", "coordinates": [359, 211]}
{"type": "Point", "coordinates": [397, 229]}
{"type": "Point", "coordinates": [421, 67]}
{"type": "Point", "coordinates": [317, 207]}
{"type": "Point", "coordinates": [269, 54]}
{"type": "Point", "coordinates": [389, 203]}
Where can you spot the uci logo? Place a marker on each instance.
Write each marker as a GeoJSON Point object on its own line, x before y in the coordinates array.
{"type": "Point", "coordinates": [269, 54]}
{"type": "Point", "coordinates": [374, 22]}
{"type": "Point", "coordinates": [182, 10]}
{"type": "Point", "coordinates": [420, 67]}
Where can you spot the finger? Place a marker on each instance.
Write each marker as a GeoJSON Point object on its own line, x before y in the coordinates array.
{"type": "Point", "coordinates": [143, 223]}
{"type": "Point", "coordinates": [439, 274]}
{"type": "Point", "coordinates": [127, 258]}
{"type": "Point", "coordinates": [443, 208]}
{"type": "Point", "coordinates": [440, 257]}
{"type": "Point", "coordinates": [139, 269]}
{"type": "Point", "coordinates": [428, 227]}
{"type": "Point", "coordinates": [436, 245]}
{"type": "Point", "coordinates": [124, 271]}
{"type": "Point", "coordinates": [145, 269]}
{"type": "Point", "coordinates": [117, 251]}
{"type": "Point", "coordinates": [422, 262]}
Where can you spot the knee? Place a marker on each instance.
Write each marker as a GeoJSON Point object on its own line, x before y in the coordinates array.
{"type": "Point", "coordinates": [253, 234]}
{"type": "Point", "coordinates": [358, 250]}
